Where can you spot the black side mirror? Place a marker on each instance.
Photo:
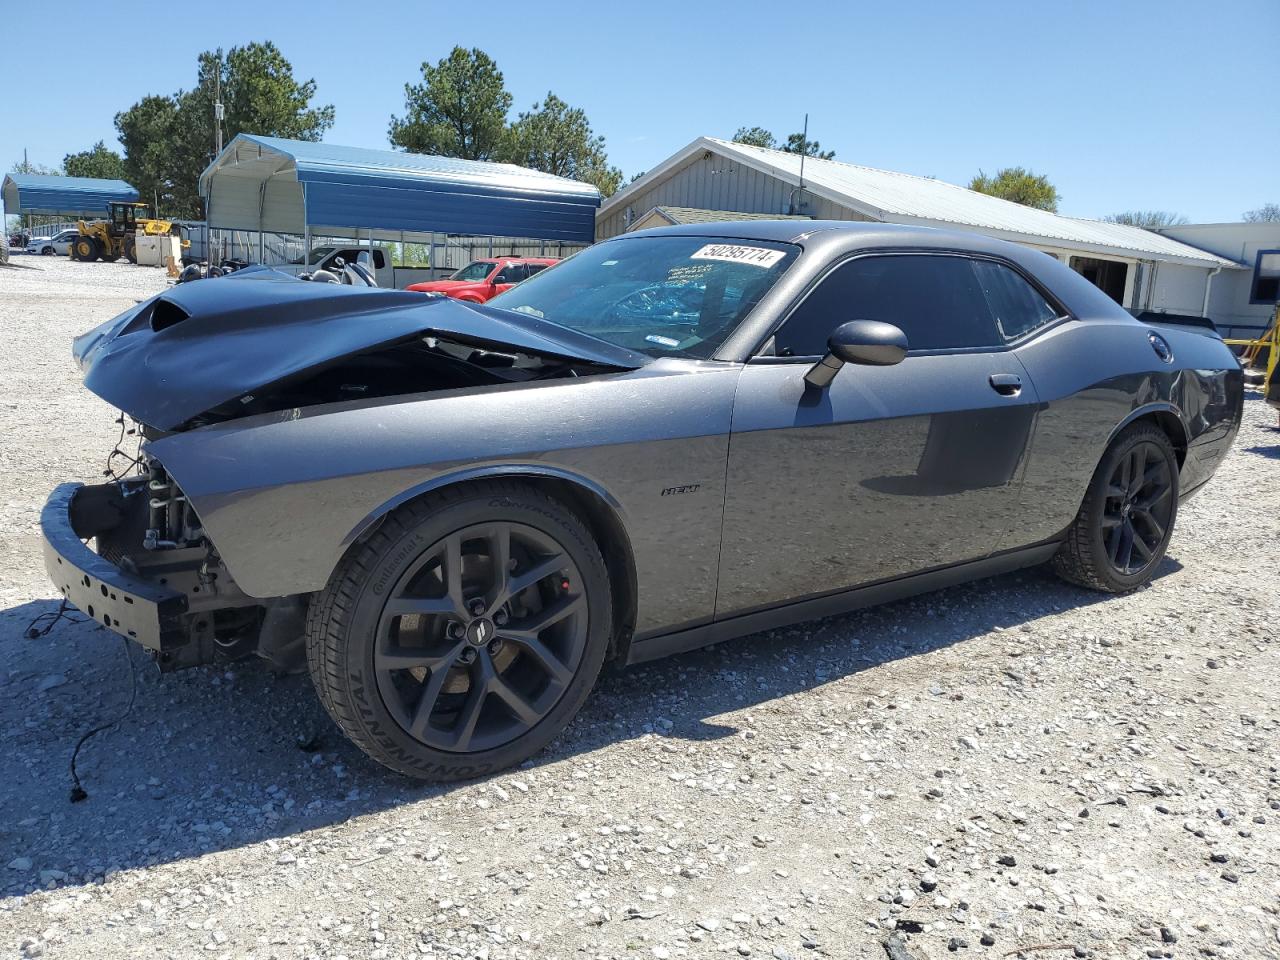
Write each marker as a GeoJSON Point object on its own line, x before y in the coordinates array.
{"type": "Point", "coordinates": [868, 342]}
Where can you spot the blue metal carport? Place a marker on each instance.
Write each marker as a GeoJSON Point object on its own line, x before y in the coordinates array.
{"type": "Point", "coordinates": [62, 196]}
{"type": "Point", "coordinates": [270, 185]}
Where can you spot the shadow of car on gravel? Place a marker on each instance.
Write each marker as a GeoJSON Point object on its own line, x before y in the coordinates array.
{"type": "Point", "coordinates": [224, 756]}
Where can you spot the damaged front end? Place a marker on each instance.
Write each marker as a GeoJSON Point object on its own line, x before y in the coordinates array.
{"type": "Point", "coordinates": [154, 577]}
{"type": "Point", "coordinates": [246, 348]}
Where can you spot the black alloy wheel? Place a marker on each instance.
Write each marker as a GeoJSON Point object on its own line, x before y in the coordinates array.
{"type": "Point", "coordinates": [464, 632]}
{"type": "Point", "coordinates": [1139, 507]}
{"type": "Point", "coordinates": [1123, 528]}
{"type": "Point", "coordinates": [480, 637]}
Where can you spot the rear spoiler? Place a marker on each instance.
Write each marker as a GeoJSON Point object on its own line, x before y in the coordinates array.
{"type": "Point", "coordinates": [1178, 320]}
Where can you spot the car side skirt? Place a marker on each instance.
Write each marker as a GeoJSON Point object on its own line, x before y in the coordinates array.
{"type": "Point", "coordinates": [829, 605]}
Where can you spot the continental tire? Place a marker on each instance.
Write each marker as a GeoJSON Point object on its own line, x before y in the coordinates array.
{"type": "Point", "coordinates": [1122, 531]}
{"type": "Point", "coordinates": [464, 634]}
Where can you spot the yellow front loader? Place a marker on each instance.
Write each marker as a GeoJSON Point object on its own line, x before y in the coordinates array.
{"type": "Point", "coordinates": [115, 237]}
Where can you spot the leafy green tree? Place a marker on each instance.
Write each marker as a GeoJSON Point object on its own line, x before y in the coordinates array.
{"type": "Point", "coordinates": [146, 131]}
{"type": "Point", "coordinates": [1267, 213]}
{"type": "Point", "coordinates": [796, 143]}
{"type": "Point", "coordinates": [756, 137]}
{"type": "Point", "coordinates": [262, 96]}
{"type": "Point", "coordinates": [170, 140]}
{"type": "Point", "coordinates": [458, 110]}
{"type": "Point", "coordinates": [1019, 185]}
{"type": "Point", "coordinates": [556, 138]}
{"type": "Point", "coordinates": [97, 162]}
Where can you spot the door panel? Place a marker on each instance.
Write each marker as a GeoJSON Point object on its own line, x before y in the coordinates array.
{"type": "Point", "coordinates": [888, 471]}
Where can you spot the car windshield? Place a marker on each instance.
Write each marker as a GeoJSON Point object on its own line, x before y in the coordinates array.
{"type": "Point", "coordinates": [660, 295]}
{"type": "Point", "coordinates": [474, 272]}
{"type": "Point", "coordinates": [316, 255]}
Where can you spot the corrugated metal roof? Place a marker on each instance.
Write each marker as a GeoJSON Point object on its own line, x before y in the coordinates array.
{"type": "Point", "coordinates": [903, 198]}
{"type": "Point", "coordinates": [698, 215]}
{"type": "Point", "coordinates": [354, 187]}
{"type": "Point", "coordinates": [62, 196]}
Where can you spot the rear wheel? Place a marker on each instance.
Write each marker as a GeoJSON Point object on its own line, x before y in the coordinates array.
{"type": "Point", "coordinates": [464, 634]}
{"type": "Point", "coordinates": [1124, 525]}
{"type": "Point", "coordinates": [131, 249]}
{"type": "Point", "coordinates": [85, 249]}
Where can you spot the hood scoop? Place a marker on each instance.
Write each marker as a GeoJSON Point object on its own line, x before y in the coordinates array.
{"type": "Point", "coordinates": [203, 344]}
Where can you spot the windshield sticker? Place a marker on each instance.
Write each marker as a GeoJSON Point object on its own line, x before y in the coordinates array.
{"type": "Point", "coordinates": [736, 253]}
{"type": "Point", "coordinates": [688, 272]}
{"type": "Point", "coordinates": [662, 341]}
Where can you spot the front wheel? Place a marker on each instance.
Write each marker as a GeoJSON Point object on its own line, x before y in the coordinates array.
{"type": "Point", "coordinates": [1124, 525]}
{"type": "Point", "coordinates": [131, 249]}
{"type": "Point", "coordinates": [464, 634]}
{"type": "Point", "coordinates": [47, 252]}
{"type": "Point", "coordinates": [85, 249]}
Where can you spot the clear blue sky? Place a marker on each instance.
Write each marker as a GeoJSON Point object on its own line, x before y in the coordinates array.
{"type": "Point", "coordinates": [1124, 105]}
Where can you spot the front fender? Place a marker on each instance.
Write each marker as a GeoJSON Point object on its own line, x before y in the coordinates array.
{"type": "Point", "coordinates": [491, 471]}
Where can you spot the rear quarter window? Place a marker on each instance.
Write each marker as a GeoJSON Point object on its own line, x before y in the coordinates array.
{"type": "Point", "coordinates": [1016, 306]}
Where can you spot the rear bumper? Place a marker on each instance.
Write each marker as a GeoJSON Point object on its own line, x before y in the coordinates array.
{"type": "Point", "coordinates": [142, 610]}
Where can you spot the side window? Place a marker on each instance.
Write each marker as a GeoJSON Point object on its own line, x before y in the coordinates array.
{"type": "Point", "coordinates": [1016, 306]}
{"type": "Point", "coordinates": [935, 300]}
{"type": "Point", "coordinates": [511, 273]}
{"type": "Point", "coordinates": [379, 261]}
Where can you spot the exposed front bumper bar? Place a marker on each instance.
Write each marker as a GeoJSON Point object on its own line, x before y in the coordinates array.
{"type": "Point", "coordinates": [142, 610]}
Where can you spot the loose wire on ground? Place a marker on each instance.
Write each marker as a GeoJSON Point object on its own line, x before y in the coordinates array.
{"type": "Point", "coordinates": [78, 792]}
{"type": "Point", "coordinates": [43, 623]}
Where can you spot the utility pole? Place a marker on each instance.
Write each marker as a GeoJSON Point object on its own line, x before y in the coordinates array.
{"type": "Point", "coordinates": [218, 112]}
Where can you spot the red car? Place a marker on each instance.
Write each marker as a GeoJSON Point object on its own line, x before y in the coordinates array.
{"type": "Point", "coordinates": [481, 280]}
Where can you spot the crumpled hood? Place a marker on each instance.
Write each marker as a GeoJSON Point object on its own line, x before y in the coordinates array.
{"type": "Point", "coordinates": [204, 343]}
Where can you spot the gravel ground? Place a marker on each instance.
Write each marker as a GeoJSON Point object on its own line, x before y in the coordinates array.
{"type": "Point", "coordinates": [1014, 767]}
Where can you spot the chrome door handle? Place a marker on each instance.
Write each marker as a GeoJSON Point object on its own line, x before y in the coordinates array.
{"type": "Point", "coordinates": [1006, 384]}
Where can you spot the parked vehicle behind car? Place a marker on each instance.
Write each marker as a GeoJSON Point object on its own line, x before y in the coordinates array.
{"type": "Point", "coordinates": [676, 437]}
{"type": "Point", "coordinates": [59, 244]}
{"type": "Point", "coordinates": [376, 260]}
{"type": "Point", "coordinates": [482, 280]}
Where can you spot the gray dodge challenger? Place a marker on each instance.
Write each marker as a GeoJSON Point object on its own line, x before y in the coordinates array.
{"type": "Point", "coordinates": [453, 515]}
